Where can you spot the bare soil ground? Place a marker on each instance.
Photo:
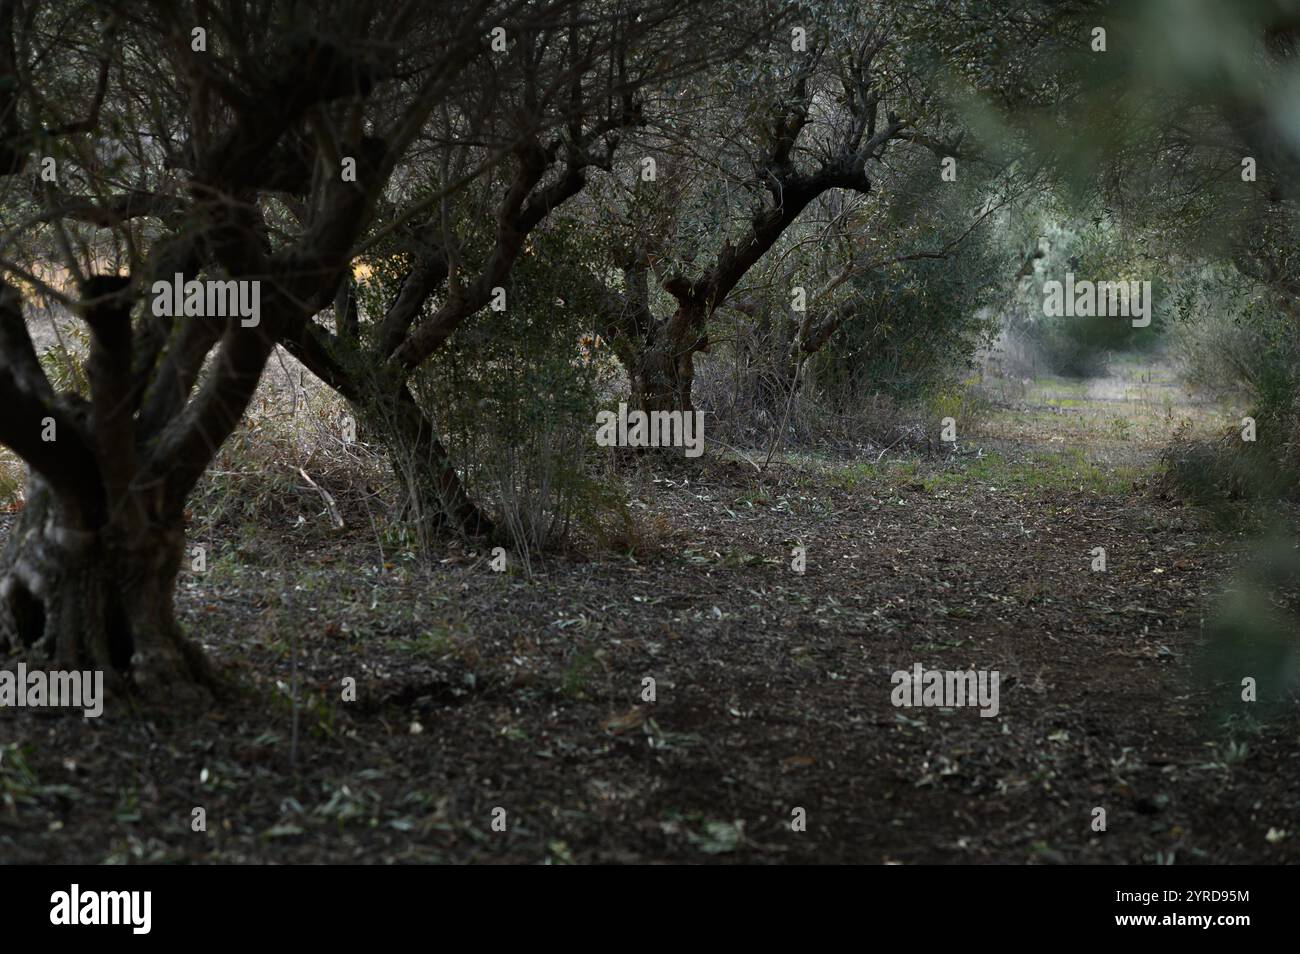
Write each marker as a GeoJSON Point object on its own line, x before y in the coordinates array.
{"type": "Point", "coordinates": [479, 690]}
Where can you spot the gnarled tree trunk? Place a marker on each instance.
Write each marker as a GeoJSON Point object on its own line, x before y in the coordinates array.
{"type": "Point", "coordinates": [384, 406]}
{"type": "Point", "coordinates": [423, 467]}
{"type": "Point", "coordinates": [658, 354]}
{"type": "Point", "coordinates": [661, 378]}
{"type": "Point", "coordinates": [74, 595]}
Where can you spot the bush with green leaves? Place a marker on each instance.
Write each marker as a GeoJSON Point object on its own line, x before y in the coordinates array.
{"type": "Point", "coordinates": [1231, 340]}
{"type": "Point", "coordinates": [516, 390]}
{"type": "Point", "coordinates": [1235, 345]}
{"type": "Point", "coordinates": [901, 290]}
{"type": "Point", "coordinates": [915, 335]}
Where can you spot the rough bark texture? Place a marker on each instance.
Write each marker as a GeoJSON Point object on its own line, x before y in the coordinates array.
{"type": "Point", "coordinates": [88, 574]}
{"type": "Point", "coordinates": [422, 465]}
{"type": "Point", "coordinates": [73, 596]}
{"type": "Point", "coordinates": [662, 375]}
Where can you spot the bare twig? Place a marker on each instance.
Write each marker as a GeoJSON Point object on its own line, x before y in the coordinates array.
{"type": "Point", "coordinates": [329, 500]}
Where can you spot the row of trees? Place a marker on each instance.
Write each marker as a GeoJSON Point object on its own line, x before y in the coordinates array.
{"type": "Point", "coordinates": [816, 173]}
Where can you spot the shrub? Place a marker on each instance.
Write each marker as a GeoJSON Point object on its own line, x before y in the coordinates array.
{"type": "Point", "coordinates": [515, 396]}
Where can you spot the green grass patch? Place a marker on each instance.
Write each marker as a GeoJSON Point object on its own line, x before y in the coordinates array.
{"type": "Point", "coordinates": [1049, 384]}
{"type": "Point", "coordinates": [1068, 469]}
{"type": "Point", "coordinates": [1039, 471]}
{"type": "Point", "coordinates": [850, 476]}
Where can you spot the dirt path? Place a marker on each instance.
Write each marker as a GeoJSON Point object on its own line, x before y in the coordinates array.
{"type": "Point", "coordinates": [479, 691]}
